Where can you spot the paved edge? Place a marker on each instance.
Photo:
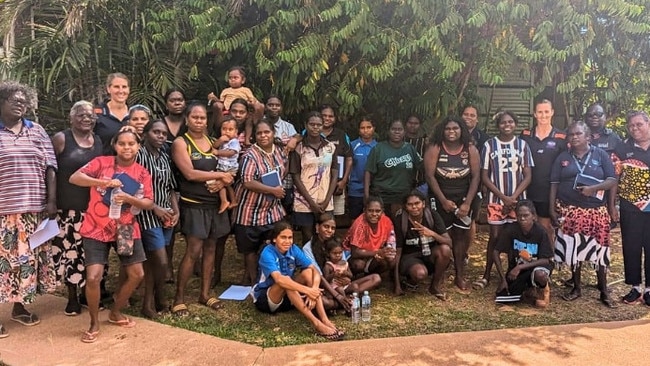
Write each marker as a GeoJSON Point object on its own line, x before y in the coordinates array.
{"type": "Point", "coordinates": [56, 341]}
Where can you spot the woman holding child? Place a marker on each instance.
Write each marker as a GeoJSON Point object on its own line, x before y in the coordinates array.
{"type": "Point", "coordinates": [423, 245]}
{"type": "Point", "coordinates": [580, 179]}
{"type": "Point", "coordinates": [259, 204]}
{"type": "Point", "coordinates": [204, 227]}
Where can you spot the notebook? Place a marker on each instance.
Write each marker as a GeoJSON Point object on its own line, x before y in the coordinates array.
{"type": "Point", "coordinates": [272, 179]}
{"type": "Point", "coordinates": [129, 185]}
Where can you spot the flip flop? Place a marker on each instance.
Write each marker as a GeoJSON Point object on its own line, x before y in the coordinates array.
{"type": "Point", "coordinates": [124, 322]}
{"type": "Point", "coordinates": [336, 336]}
{"type": "Point", "coordinates": [89, 337]}
{"type": "Point", "coordinates": [26, 319]}
{"type": "Point", "coordinates": [479, 284]}
{"type": "Point", "coordinates": [213, 303]}
{"type": "Point", "coordinates": [571, 296]}
{"type": "Point", "coordinates": [440, 296]}
{"type": "Point", "coordinates": [180, 310]}
{"type": "Point", "coordinates": [409, 286]}
{"type": "Point", "coordinates": [3, 332]}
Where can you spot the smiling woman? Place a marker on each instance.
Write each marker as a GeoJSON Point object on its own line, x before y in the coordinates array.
{"type": "Point", "coordinates": [114, 113]}
{"type": "Point", "coordinates": [27, 193]}
{"type": "Point", "coordinates": [74, 148]}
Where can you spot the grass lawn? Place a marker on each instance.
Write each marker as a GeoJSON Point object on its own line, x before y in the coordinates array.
{"type": "Point", "coordinates": [412, 314]}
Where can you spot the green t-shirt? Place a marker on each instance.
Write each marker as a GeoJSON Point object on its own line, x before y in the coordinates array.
{"type": "Point", "coordinates": [393, 171]}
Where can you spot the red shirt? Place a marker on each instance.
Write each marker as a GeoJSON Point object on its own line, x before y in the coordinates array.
{"type": "Point", "coordinates": [96, 223]}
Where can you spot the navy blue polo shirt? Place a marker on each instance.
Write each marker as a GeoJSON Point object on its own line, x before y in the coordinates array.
{"type": "Point", "coordinates": [544, 153]}
{"type": "Point", "coordinates": [595, 163]}
{"type": "Point", "coordinates": [606, 139]}
{"type": "Point", "coordinates": [107, 126]}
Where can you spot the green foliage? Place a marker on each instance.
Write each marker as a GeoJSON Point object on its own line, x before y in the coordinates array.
{"type": "Point", "coordinates": [388, 57]}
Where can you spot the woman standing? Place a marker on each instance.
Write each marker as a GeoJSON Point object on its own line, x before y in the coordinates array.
{"type": "Point", "coordinates": [390, 169]}
{"type": "Point", "coordinates": [74, 148]}
{"type": "Point", "coordinates": [175, 121]}
{"type": "Point", "coordinates": [341, 140]}
{"type": "Point", "coordinates": [204, 227]}
{"type": "Point", "coordinates": [314, 169]}
{"type": "Point", "coordinates": [114, 113]}
{"type": "Point", "coordinates": [546, 143]}
{"type": "Point", "coordinates": [260, 204]}
{"type": "Point", "coordinates": [28, 194]}
{"type": "Point", "coordinates": [100, 232]}
{"type": "Point", "coordinates": [452, 168]}
{"type": "Point", "coordinates": [175, 106]}
{"type": "Point", "coordinates": [506, 173]}
{"type": "Point", "coordinates": [632, 162]}
{"type": "Point", "coordinates": [580, 179]}
{"type": "Point", "coordinates": [158, 223]}
{"type": "Point", "coordinates": [361, 148]}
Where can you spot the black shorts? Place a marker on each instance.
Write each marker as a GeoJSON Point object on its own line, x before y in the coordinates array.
{"type": "Point", "coordinates": [96, 252]}
{"type": "Point", "coordinates": [409, 260]}
{"type": "Point", "coordinates": [306, 218]}
{"type": "Point", "coordinates": [249, 239]}
{"type": "Point", "coordinates": [204, 223]}
{"type": "Point", "coordinates": [450, 218]}
{"type": "Point", "coordinates": [262, 304]}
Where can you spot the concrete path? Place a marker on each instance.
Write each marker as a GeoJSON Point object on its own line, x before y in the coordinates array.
{"type": "Point", "coordinates": [56, 342]}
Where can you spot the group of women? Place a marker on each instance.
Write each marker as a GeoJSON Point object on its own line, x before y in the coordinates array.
{"type": "Point", "coordinates": [413, 205]}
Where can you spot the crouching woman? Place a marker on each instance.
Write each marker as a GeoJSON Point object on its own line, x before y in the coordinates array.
{"type": "Point", "coordinates": [529, 258]}
{"type": "Point", "coordinates": [278, 289]}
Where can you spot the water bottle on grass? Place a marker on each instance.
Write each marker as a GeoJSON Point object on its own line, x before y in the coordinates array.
{"type": "Point", "coordinates": [365, 307]}
{"type": "Point", "coordinates": [356, 308]}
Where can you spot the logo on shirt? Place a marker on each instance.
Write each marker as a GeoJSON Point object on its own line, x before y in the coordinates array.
{"type": "Point", "coordinates": [393, 162]}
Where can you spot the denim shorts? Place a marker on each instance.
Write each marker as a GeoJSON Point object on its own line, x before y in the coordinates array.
{"type": "Point", "coordinates": [156, 238]}
{"type": "Point", "coordinates": [96, 252]}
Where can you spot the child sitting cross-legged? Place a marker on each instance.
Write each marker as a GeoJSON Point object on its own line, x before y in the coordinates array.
{"type": "Point", "coordinates": [337, 272]}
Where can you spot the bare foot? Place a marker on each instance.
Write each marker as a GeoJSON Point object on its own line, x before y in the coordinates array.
{"type": "Point", "coordinates": [232, 205]}
{"type": "Point", "coordinates": [224, 206]}
{"type": "Point", "coordinates": [461, 284]}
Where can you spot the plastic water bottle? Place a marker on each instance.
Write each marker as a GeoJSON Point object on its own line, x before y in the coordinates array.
{"type": "Point", "coordinates": [392, 242]}
{"type": "Point", "coordinates": [356, 308]}
{"type": "Point", "coordinates": [139, 194]}
{"type": "Point", "coordinates": [365, 307]}
{"type": "Point", "coordinates": [115, 210]}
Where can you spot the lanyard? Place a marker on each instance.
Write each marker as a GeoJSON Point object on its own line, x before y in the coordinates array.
{"type": "Point", "coordinates": [581, 167]}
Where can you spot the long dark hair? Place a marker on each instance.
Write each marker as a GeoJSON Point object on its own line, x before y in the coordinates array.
{"type": "Point", "coordinates": [439, 133]}
{"type": "Point", "coordinates": [317, 247]}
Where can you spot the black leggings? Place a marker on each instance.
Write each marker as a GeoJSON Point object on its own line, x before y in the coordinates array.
{"type": "Point", "coordinates": [635, 234]}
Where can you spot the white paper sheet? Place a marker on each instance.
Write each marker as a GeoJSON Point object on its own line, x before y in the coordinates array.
{"type": "Point", "coordinates": [45, 231]}
{"type": "Point", "coordinates": [234, 292]}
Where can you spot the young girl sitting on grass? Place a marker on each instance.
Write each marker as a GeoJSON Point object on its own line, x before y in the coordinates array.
{"type": "Point", "coordinates": [337, 272]}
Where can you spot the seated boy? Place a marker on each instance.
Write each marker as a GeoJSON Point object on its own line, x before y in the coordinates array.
{"type": "Point", "coordinates": [529, 258]}
{"type": "Point", "coordinates": [277, 288]}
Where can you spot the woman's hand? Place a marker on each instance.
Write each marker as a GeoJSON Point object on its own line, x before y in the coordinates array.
{"type": "Point", "coordinates": [50, 210]}
{"type": "Point", "coordinates": [614, 214]}
{"type": "Point", "coordinates": [163, 214]}
{"type": "Point", "coordinates": [214, 185]}
{"type": "Point", "coordinates": [278, 192]}
{"type": "Point", "coordinates": [448, 206]}
{"type": "Point", "coordinates": [587, 191]}
{"type": "Point", "coordinates": [312, 293]}
{"type": "Point", "coordinates": [110, 183]}
{"type": "Point", "coordinates": [509, 201]}
{"type": "Point", "coordinates": [512, 275]}
{"type": "Point", "coordinates": [503, 286]}
{"type": "Point", "coordinates": [421, 229]}
{"type": "Point", "coordinates": [345, 302]}
{"type": "Point", "coordinates": [463, 210]}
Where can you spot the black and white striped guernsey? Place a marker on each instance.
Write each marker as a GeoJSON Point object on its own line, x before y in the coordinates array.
{"type": "Point", "coordinates": [163, 182]}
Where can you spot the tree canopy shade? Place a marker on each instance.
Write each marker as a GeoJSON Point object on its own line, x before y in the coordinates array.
{"type": "Point", "coordinates": [388, 57]}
